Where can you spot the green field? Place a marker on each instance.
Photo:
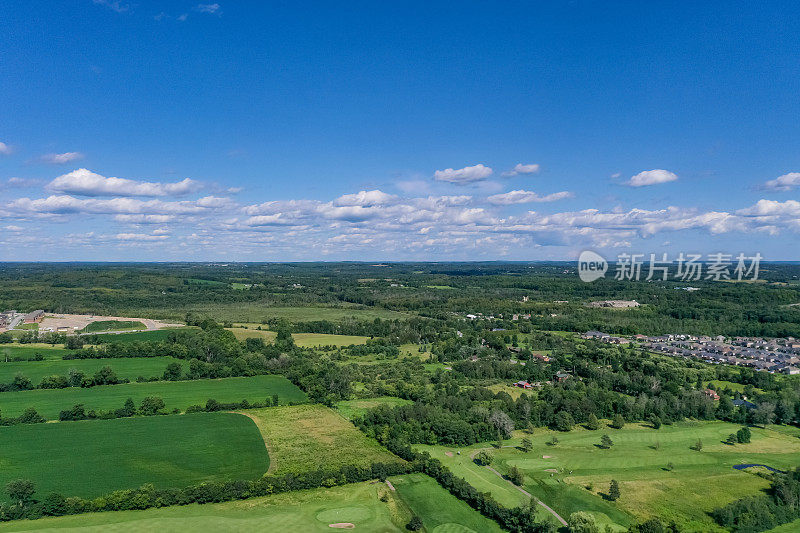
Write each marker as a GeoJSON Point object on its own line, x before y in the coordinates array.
{"type": "Point", "coordinates": [307, 510]}
{"type": "Point", "coordinates": [353, 408]}
{"type": "Point", "coordinates": [91, 458]}
{"type": "Point", "coordinates": [100, 326]}
{"type": "Point", "coordinates": [304, 340]}
{"type": "Point", "coordinates": [254, 312]}
{"type": "Point", "coordinates": [176, 394]}
{"type": "Point", "coordinates": [141, 336]}
{"type": "Point", "coordinates": [26, 351]}
{"type": "Point", "coordinates": [125, 368]}
{"type": "Point", "coordinates": [441, 512]}
{"type": "Point", "coordinates": [700, 482]}
{"type": "Point", "coordinates": [306, 437]}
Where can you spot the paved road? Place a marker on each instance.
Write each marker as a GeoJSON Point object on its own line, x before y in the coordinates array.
{"type": "Point", "coordinates": [523, 491]}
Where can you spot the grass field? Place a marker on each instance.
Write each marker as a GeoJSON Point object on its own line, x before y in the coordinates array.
{"type": "Point", "coordinates": [176, 394]}
{"type": "Point", "coordinates": [699, 482]}
{"type": "Point", "coordinates": [26, 351]}
{"type": "Point", "coordinates": [95, 457]}
{"type": "Point", "coordinates": [301, 511]}
{"type": "Point", "coordinates": [141, 336]}
{"type": "Point", "coordinates": [125, 368]}
{"type": "Point", "coordinates": [304, 340]}
{"type": "Point", "coordinates": [254, 312]}
{"type": "Point", "coordinates": [100, 326]}
{"type": "Point", "coordinates": [353, 408]}
{"type": "Point", "coordinates": [306, 437]}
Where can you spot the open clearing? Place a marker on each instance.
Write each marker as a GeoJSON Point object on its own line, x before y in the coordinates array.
{"type": "Point", "coordinates": [255, 312]}
{"type": "Point", "coordinates": [306, 510]}
{"type": "Point", "coordinates": [304, 340]}
{"type": "Point", "coordinates": [28, 351]}
{"type": "Point", "coordinates": [353, 408]}
{"type": "Point", "coordinates": [176, 394]}
{"type": "Point", "coordinates": [91, 458]}
{"type": "Point", "coordinates": [124, 368]}
{"type": "Point", "coordinates": [699, 482]}
{"type": "Point", "coordinates": [307, 437]}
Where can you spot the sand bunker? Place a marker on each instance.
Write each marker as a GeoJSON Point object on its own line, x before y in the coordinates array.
{"type": "Point", "coordinates": [342, 525]}
{"type": "Point", "coordinates": [553, 470]}
{"type": "Point", "coordinates": [547, 457]}
{"type": "Point", "coordinates": [449, 454]}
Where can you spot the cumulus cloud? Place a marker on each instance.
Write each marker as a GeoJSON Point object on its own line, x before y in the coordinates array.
{"type": "Point", "coordinates": [114, 5]}
{"type": "Point", "coordinates": [524, 197]}
{"type": "Point", "coordinates": [87, 183]}
{"type": "Point", "coordinates": [140, 237]}
{"type": "Point", "coordinates": [651, 177]}
{"type": "Point", "coordinates": [365, 198]}
{"type": "Point", "coordinates": [60, 159]}
{"type": "Point", "coordinates": [772, 208]}
{"type": "Point", "coordinates": [519, 168]}
{"type": "Point", "coordinates": [144, 219]}
{"type": "Point", "coordinates": [5, 149]}
{"type": "Point", "coordinates": [463, 176]}
{"type": "Point", "coordinates": [65, 204]}
{"type": "Point", "coordinates": [787, 182]}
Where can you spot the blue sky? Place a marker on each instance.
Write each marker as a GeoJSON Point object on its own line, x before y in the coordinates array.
{"type": "Point", "coordinates": [389, 131]}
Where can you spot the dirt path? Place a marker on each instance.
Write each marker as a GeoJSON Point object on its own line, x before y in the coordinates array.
{"type": "Point", "coordinates": [273, 463]}
{"type": "Point", "coordinates": [523, 491]}
{"type": "Point", "coordinates": [389, 484]}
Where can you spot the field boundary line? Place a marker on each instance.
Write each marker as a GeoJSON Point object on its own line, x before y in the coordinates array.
{"type": "Point", "coordinates": [270, 450]}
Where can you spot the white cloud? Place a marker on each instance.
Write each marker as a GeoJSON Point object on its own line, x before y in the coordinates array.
{"type": "Point", "coordinates": [60, 159]}
{"type": "Point", "coordinates": [651, 177]}
{"type": "Point", "coordinates": [365, 198]}
{"type": "Point", "coordinates": [87, 183]}
{"type": "Point", "coordinates": [144, 219]}
{"type": "Point", "coordinates": [772, 208]}
{"type": "Point", "coordinates": [519, 168]}
{"type": "Point", "coordinates": [183, 17]}
{"type": "Point", "coordinates": [5, 149]}
{"type": "Point", "coordinates": [140, 237]}
{"type": "Point", "coordinates": [463, 176]}
{"type": "Point", "coordinates": [787, 182]}
{"type": "Point", "coordinates": [13, 228]}
{"type": "Point", "coordinates": [208, 8]}
{"type": "Point", "coordinates": [114, 5]}
{"type": "Point", "coordinates": [65, 204]}
{"type": "Point", "coordinates": [524, 197]}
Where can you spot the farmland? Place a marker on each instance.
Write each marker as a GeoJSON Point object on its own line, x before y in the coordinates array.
{"type": "Point", "coordinates": [91, 458]}
{"type": "Point", "coordinates": [639, 460]}
{"type": "Point", "coordinates": [176, 394]}
{"type": "Point", "coordinates": [304, 437]}
{"type": "Point", "coordinates": [112, 325]}
{"type": "Point", "coordinates": [304, 340]}
{"type": "Point", "coordinates": [124, 368]}
{"type": "Point", "coordinates": [353, 408]}
{"type": "Point", "coordinates": [8, 352]}
{"type": "Point", "coordinates": [257, 313]}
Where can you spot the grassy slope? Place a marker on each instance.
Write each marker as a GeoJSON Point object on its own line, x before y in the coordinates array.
{"type": "Point", "coordinates": [306, 437]}
{"type": "Point", "coordinates": [176, 394]}
{"type": "Point", "coordinates": [30, 350]}
{"type": "Point", "coordinates": [129, 368]}
{"type": "Point", "coordinates": [91, 458]}
{"type": "Point", "coordinates": [700, 482]}
{"type": "Point", "coordinates": [308, 510]}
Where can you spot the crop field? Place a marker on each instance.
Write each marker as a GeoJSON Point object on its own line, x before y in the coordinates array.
{"type": "Point", "coordinates": [353, 408]}
{"type": "Point", "coordinates": [176, 394]}
{"type": "Point", "coordinates": [91, 458]}
{"type": "Point", "coordinates": [27, 351]}
{"type": "Point", "coordinates": [574, 475]}
{"type": "Point", "coordinates": [124, 368]}
{"type": "Point", "coordinates": [141, 336]}
{"type": "Point", "coordinates": [305, 437]}
{"type": "Point", "coordinates": [308, 510]}
{"type": "Point", "coordinates": [304, 340]}
{"type": "Point", "coordinates": [255, 312]}
{"type": "Point", "coordinates": [112, 325]}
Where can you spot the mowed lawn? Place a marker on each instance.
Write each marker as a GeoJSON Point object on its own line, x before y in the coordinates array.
{"type": "Point", "coordinates": [125, 368]}
{"type": "Point", "coordinates": [312, 436]}
{"type": "Point", "coordinates": [307, 510]}
{"type": "Point", "coordinates": [176, 394]}
{"type": "Point", "coordinates": [575, 474]}
{"type": "Point", "coordinates": [91, 458]}
{"type": "Point", "coordinates": [27, 351]}
{"type": "Point", "coordinates": [351, 409]}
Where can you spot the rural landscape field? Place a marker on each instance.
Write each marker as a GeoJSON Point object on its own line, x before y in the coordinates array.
{"type": "Point", "coordinates": [474, 408]}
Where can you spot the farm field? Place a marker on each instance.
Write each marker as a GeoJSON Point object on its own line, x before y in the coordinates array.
{"type": "Point", "coordinates": [176, 394]}
{"type": "Point", "coordinates": [304, 340]}
{"type": "Point", "coordinates": [306, 437]}
{"type": "Point", "coordinates": [91, 458]}
{"type": "Point", "coordinates": [112, 325]}
{"type": "Point", "coordinates": [255, 312]}
{"type": "Point", "coordinates": [640, 465]}
{"type": "Point", "coordinates": [306, 510]}
{"type": "Point", "coordinates": [124, 368]}
{"type": "Point", "coordinates": [141, 336]}
{"type": "Point", "coordinates": [353, 408]}
{"type": "Point", "coordinates": [27, 351]}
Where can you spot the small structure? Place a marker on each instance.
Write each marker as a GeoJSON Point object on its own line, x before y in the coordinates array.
{"type": "Point", "coordinates": [523, 385]}
{"type": "Point", "coordinates": [33, 317]}
{"type": "Point", "coordinates": [710, 393]}
{"type": "Point", "coordinates": [562, 376]}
